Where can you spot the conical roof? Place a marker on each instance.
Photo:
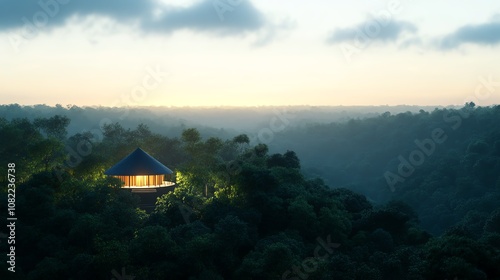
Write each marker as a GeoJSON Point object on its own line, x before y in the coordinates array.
{"type": "Point", "coordinates": [138, 163]}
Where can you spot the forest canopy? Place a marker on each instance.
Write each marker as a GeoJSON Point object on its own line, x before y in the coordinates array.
{"type": "Point", "coordinates": [312, 203]}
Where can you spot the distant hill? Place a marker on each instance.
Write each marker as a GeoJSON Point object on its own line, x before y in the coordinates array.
{"type": "Point", "coordinates": [171, 120]}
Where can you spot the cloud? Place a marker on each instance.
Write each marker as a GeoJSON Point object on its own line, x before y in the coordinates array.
{"type": "Point", "coordinates": [55, 12]}
{"type": "Point", "coordinates": [273, 32]}
{"type": "Point", "coordinates": [372, 30]}
{"type": "Point", "coordinates": [209, 16]}
{"type": "Point", "coordinates": [481, 34]}
{"type": "Point", "coordinates": [218, 16]}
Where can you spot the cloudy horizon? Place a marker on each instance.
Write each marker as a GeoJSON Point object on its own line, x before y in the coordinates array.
{"type": "Point", "coordinates": [249, 53]}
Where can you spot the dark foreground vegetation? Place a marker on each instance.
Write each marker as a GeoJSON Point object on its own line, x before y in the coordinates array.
{"type": "Point", "coordinates": [243, 212]}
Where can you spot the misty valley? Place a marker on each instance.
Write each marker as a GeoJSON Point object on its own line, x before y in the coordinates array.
{"type": "Point", "coordinates": [301, 192]}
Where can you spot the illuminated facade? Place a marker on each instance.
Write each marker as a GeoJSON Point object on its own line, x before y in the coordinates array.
{"type": "Point", "coordinates": [140, 170]}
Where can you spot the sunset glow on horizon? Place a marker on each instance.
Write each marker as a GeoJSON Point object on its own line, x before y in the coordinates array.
{"type": "Point", "coordinates": [249, 53]}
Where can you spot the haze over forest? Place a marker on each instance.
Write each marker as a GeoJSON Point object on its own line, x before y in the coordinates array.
{"type": "Point", "coordinates": [249, 139]}
{"type": "Point", "coordinates": [391, 182]}
{"type": "Point", "coordinates": [232, 119]}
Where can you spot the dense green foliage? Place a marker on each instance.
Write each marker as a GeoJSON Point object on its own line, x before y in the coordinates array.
{"type": "Point", "coordinates": [241, 212]}
{"type": "Point", "coordinates": [457, 182]}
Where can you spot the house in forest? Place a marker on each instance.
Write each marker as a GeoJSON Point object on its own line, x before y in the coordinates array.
{"type": "Point", "coordinates": [140, 170]}
{"type": "Point", "coordinates": [144, 175]}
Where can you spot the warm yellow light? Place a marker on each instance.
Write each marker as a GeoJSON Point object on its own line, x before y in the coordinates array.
{"type": "Point", "coordinates": [144, 181]}
{"type": "Point", "coordinates": [140, 181]}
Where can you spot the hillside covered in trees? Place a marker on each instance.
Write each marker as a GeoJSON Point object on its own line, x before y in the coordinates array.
{"type": "Point", "coordinates": [394, 196]}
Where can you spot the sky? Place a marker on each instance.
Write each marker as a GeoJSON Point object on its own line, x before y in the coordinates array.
{"type": "Point", "coordinates": [249, 52]}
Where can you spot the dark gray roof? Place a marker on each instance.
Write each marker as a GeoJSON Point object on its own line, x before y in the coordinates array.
{"type": "Point", "coordinates": [138, 163]}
